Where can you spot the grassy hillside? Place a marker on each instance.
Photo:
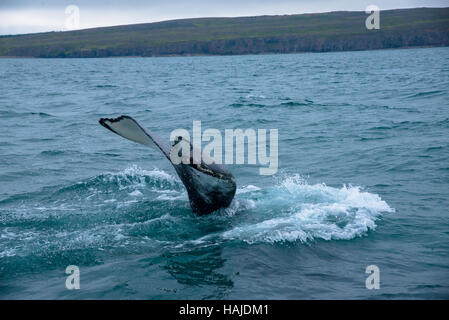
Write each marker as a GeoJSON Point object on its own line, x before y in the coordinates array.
{"type": "Point", "coordinates": [335, 31]}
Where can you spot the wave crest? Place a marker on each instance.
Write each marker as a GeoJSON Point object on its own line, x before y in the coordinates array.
{"type": "Point", "coordinates": [296, 211]}
{"type": "Point", "coordinates": [135, 208]}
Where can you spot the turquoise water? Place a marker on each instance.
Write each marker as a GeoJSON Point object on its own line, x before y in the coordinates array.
{"type": "Point", "coordinates": [363, 177]}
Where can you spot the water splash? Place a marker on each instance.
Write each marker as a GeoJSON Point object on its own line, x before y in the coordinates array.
{"type": "Point", "coordinates": [135, 209]}
{"type": "Point", "coordinates": [296, 211]}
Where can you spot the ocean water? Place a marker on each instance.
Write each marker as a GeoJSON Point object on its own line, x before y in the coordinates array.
{"type": "Point", "coordinates": [363, 178]}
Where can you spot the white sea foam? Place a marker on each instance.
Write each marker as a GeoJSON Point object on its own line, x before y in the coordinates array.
{"type": "Point", "coordinates": [8, 253]}
{"type": "Point", "coordinates": [137, 172]}
{"type": "Point", "coordinates": [290, 211]}
{"type": "Point", "coordinates": [135, 177]}
{"type": "Point", "coordinates": [247, 189]}
{"type": "Point", "coordinates": [168, 197]}
{"type": "Point", "coordinates": [135, 193]}
{"type": "Point", "coordinates": [306, 212]}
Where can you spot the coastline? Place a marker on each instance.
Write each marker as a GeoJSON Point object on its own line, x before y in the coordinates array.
{"type": "Point", "coordinates": [301, 33]}
{"type": "Point", "coordinates": [221, 55]}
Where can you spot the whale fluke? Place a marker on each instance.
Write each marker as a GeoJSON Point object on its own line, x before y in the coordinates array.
{"type": "Point", "coordinates": [210, 186]}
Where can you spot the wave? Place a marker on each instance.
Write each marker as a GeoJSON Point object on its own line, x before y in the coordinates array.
{"type": "Point", "coordinates": [11, 114]}
{"type": "Point", "coordinates": [426, 94]}
{"type": "Point", "coordinates": [105, 86]}
{"type": "Point", "coordinates": [295, 211]}
{"type": "Point", "coordinates": [135, 208]}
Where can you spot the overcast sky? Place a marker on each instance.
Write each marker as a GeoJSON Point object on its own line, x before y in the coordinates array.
{"type": "Point", "coordinates": [27, 16]}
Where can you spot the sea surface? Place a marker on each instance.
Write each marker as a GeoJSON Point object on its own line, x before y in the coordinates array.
{"type": "Point", "coordinates": [363, 178]}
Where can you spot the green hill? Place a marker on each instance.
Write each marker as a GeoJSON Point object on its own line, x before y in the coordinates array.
{"type": "Point", "coordinates": [334, 31]}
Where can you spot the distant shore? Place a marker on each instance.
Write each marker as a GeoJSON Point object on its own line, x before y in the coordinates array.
{"type": "Point", "coordinates": [303, 33]}
{"type": "Point", "coordinates": [218, 55]}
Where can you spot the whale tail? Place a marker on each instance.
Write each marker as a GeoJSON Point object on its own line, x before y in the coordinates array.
{"type": "Point", "coordinates": [130, 129]}
{"type": "Point", "coordinates": [210, 186]}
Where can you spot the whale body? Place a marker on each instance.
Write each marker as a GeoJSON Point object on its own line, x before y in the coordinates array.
{"type": "Point", "coordinates": [210, 186]}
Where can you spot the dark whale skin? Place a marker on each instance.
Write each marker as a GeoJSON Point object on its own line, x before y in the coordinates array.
{"type": "Point", "coordinates": [210, 187]}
